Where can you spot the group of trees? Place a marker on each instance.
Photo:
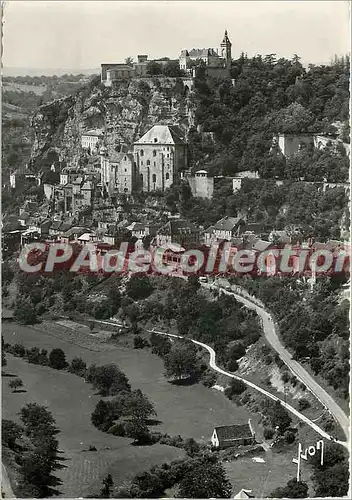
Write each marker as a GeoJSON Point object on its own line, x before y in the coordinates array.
{"type": "Point", "coordinates": [201, 476]}
{"type": "Point", "coordinates": [56, 358]}
{"type": "Point", "coordinates": [36, 441]}
{"type": "Point", "coordinates": [269, 96]}
{"type": "Point", "coordinates": [127, 414]}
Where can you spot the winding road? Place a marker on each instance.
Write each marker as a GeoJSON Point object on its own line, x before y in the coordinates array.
{"type": "Point", "coordinates": [214, 366]}
{"type": "Point", "coordinates": [302, 375]}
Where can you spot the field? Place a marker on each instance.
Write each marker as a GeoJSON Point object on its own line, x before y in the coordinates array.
{"type": "Point", "coordinates": [191, 411]}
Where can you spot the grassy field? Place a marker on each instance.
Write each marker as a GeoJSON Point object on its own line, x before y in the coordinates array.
{"type": "Point", "coordinates": [72, 402]}
{"type": "Point", "coordinates": [191, 411]}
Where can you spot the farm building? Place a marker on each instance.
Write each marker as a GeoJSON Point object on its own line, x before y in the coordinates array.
{"type": "Point", "coordinates": [233, 435]}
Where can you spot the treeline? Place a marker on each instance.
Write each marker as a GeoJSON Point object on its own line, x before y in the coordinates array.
{"type": "Point", "coordinates": [314, 324]}
{"type": "Point", "coordinates": [269, 96]}
{"type": "Point", "coordinates": [35, 449]}
{"type": "Point", "coordinates": [274, 207]}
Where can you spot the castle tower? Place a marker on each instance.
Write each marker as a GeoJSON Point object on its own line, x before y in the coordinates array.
{"type": "Point", "coordinates": [225, 50]}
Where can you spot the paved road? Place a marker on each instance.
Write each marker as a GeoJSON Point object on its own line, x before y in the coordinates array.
{"type": "Point", "coordinates": [302, 375]}
{"type": "Point", "coordinates": [214, 366]}
{"type": "Point", "coordinates": [6, 490]}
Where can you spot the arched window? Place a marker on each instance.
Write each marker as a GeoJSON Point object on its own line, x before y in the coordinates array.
{"type": "Point", "coordinates": [154, 178]}
{"type": "Point", "coordinates": [148, 162]}
{"type": "Point", "coordinates": [167, 176]}
{"type": "Point", "coordinates": [142, 152]}
{"type": "Point", "coordinates": [154, 152]}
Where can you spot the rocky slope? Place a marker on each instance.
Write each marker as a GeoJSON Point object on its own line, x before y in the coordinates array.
{"type": "Point", "coordinates": [125, 112]}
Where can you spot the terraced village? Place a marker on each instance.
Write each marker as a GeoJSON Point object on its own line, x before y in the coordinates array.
{"type": "Point", "coordinates": [175, 277]}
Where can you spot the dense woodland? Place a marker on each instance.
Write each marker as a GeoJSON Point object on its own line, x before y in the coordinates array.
{"type": "Point", "coordinates": [269, 96]}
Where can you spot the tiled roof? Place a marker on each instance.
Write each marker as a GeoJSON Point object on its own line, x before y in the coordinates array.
{"type": "Point", "coordinates": [202, 53]}
{"type": "Point", "coordinates": [229, 432]}
{"type": "Point", "coordinates": [227, 223]}
{"type": "Point", "coordinates": [178, 226]}
{"type": "Point", "coordinates": [164, 134]}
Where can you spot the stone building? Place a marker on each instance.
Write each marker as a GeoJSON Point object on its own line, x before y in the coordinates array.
{"type": "Point", "coordinates": [91, 138]}
{"type": "Point", "coordinates": [118, 172]}
{"type": "Point", "coordinates": [111, 72]}
{"type": "Point", "coordinates": [233, 435]}
{"type": "Point", "coordinates": [290, 144]}
{"type": "Point", "coordinates": [216, 60]}
{"type": "Point", "coordinates": [160, 155]}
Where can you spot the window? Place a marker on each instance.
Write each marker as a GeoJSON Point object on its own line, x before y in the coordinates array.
{"type": "Point", "coordinates": [155, 139]}
{"type": "Point", "coordinates": [154, 164]}
{"type": "Point", "coordinates": [125, 158]}
{"type": "Point", "coordinates": [154, 178]}
{"type": "Point", "coordinates": [168, 156]}
{"type": "Point", "coordinates": [148, 162]}
{"type": "Point", "coordinates": [125, 169]}
{"type": "Point", "coordinates": [141, 163]}
{"type": "Point", "coordinates": [154, 152]}
{"type": "Point", "coordinates": [167, 176]}
{"type": "Point", "coordinates": [142, 152]}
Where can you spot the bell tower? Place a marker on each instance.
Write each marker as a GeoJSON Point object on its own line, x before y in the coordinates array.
{"type": "Point", "coordinates": [225, 49]}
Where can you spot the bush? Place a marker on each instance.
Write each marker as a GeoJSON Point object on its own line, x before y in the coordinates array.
{"type": "Point", "coordinates": [78, 367]}
{"type": "Point", "coordinates": [303, 404]}
{"type": "Point", "coordinates": [236, 387]}
{"type": "Point", "coordinates": [57, 359]}
{"type": "Point", "coordinates": [232, 365]}
{"type": "Point", "coordinates": [209, 380]}
{"type": "Point", "coordinates": [268, 433]}
{"type": "Point", "coordinates": [139, 342]}
{"type": "Point", "coordinates": [117, 429]}
{"type": "Point", "coordinates": [289, 437]}
{"type": "Point", "coordinates": [285, 377]}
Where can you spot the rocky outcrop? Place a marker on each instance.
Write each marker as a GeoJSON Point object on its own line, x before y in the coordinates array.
{"type": "Point", "coordinates": [124, 112]}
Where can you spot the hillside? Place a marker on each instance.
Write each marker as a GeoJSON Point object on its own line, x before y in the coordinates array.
{"type": "Point", "coordinates": [124, 112]}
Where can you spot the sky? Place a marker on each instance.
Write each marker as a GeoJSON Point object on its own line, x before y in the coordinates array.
{"type": "Point", "coordinates": [83, 34]}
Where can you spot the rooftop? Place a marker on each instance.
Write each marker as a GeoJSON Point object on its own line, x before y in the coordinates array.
{"type": "Point", "coordinates": [229, 432]}
{"type": "Point", "coordinates": [162, 134]}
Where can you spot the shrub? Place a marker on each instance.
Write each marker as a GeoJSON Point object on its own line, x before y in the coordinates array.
{"type": "Point", "coordinates": [209, 380]}
{"type": "Point", "coordinates": [289, 437]}
{"type": "Point", "coordinates": [303, 404]}
{"type": "Point", "coordinates": [236, 387]}
{"type": "Point", "coordinates": [117, 429]}
{"type": "Point", "coordinates": [268, 433]}
{"type": "Point", "coordinates": [139, 342]}
{"type": "Point", "coordinates": [232, 365]}
{"type": "Point", "coordinates": [285, 377]}
{"type": "Point", "coordinates": [57, 359]}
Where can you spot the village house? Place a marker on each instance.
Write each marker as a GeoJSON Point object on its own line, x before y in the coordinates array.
{"type": "Point", "coordinates": [224, 230]}
{"type": "Point", "coordinates": [233, 435]}
{"type": "Point", "coordinates": [112, 72]}
{"type": "Point", "coordinates": [178, 231]}
{"type": "Point", "coordinates": [90, 139]}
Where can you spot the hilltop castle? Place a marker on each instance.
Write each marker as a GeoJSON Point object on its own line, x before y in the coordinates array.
{"type": "Point", "coordinates": [217, 61]}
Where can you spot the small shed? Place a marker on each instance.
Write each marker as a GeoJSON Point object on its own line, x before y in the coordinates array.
{"type": "Point", "coordinates": [233, 435]}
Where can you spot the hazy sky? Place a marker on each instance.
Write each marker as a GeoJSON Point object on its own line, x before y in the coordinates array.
{"type": "Point", "coordinates": [82, 34]}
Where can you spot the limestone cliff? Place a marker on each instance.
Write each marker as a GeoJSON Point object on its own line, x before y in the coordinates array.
{"type": "Point", "coordinates": [124, 112]}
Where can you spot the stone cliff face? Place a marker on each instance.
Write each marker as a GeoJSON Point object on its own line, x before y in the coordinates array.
{"type": "Point", "coordinates": [124, 113]}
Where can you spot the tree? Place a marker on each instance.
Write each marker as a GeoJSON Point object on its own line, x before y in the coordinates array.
{"type": "Point", "coordinates": [108, 484]}
{"type": "Point", "coordinates": [24, 312]}
{"type": "Point", "coordinates": [15, 384]}
{"type": "Point", "coordinates": [10, 432]}
{"type": "Point", "coordinates": [303, 404]}
{"type": "Point", "coordinates": [154, 68]}
{"type": "Point", "coordinates": [103, 416]}
{"type": "Point", "coordinates": [138, 342]}
{"type": "Point", "coordinates": [108, 379]}
{"type": "Point", "coordinates": [161, 345]}
{"type": "Point", "coordinates": [334, 482]}
{"type": "Point", "coordinates": [129, 61]}
{"type": "Point", "coordinates": [36, 419]}
{"type": "Point", "coordinates": [137, 429]}
{"type": "Point", "coordinates": [57, 359]}
{"type": "Point", "coordinates": [36, 470]}
{"type": "Point", "coordinates": [293, 489]}
{"type": "Point", "coordinates": [181, 362]}
{"type": "Point", "coordinates": [139, 287]}
{"type": "Point", "coordinates": [192, 447]}
{"type": "Point", "coordinates": [205, 480]}
{"type": "Point", "coordinates": [78, 366]}
{"type": "Point", "coordinates": [236, 387]}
